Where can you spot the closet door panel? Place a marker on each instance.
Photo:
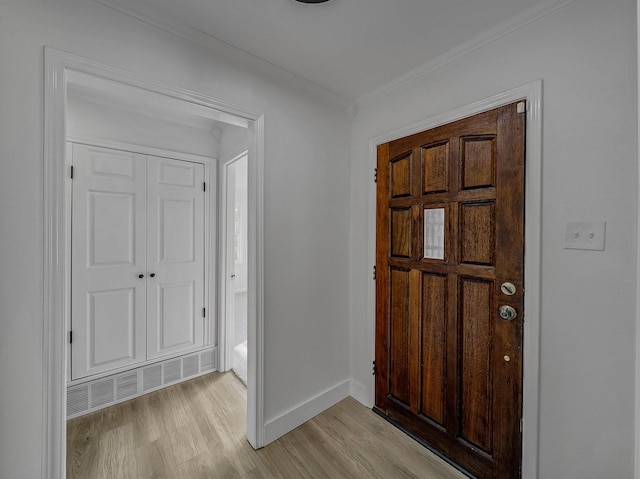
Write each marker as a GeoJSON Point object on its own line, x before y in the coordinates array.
{"type": "Point", "coordinates": [175, 256]}
{"type": "Point", "coordinates": [108, 307]}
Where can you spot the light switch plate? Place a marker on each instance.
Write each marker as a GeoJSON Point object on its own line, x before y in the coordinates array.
{"type": "Point", "coordinates": [584, 235]}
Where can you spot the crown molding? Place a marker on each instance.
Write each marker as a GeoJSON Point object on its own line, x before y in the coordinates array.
{"type": "Point", "coordinates": [212, 43]}
{"type": "Point", "coordinates": [519, 21]}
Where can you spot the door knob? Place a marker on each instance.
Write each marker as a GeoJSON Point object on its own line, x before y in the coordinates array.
{"type": "Point", "coordinates": [507, 313]}
{"type": "Point", "coordinates": [153, 275]}
{"type": "Point", "coordinates": [141, 276]}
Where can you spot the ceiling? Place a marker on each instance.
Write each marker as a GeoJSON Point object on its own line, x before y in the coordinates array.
{"type": "Point", "coordinates": [349, 47]}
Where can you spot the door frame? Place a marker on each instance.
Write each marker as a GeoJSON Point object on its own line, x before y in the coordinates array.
{"type": "Point", "coordinates": [532, 93]}
{"type": "Point", "coordinates": [57, 66]}
{"type": "Point", "coordinates": [226, 323]}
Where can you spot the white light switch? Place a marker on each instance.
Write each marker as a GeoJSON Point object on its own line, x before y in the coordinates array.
{"type": "Point", "coordinates": [582, 235]}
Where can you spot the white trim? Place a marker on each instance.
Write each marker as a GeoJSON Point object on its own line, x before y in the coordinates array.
{"type": "Point", "coordinates": [519, 21]}
{"type": "Point", "coordinates": [255, 303]}
{"type": "Point", "coordinates": [294, 417]}
{"type": "Point", "coordinates": [532, 92]}
{"type": "Point", "coordinates": [637, 351]}
{"type": "Point", "coordinates": [54, 399]}
{"type": "Point", "coordinates": [56, 66]}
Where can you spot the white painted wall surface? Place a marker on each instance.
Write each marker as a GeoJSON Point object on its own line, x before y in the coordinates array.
{"type": "Point", "coordinates": [306, 206]}
{"type": "Point", "coordinates": [89, 120]}
{"type": "Point", "coordinates": [586, 56]}
{"type": "Point", "coordinates": [233, 141]}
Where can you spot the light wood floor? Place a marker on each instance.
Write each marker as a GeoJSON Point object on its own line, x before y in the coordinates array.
{"type": "Point", "coordinates": [197, 430]}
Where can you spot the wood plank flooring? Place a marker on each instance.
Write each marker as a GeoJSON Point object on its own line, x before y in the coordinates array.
{"type": "Point", "coordinates": [196, 430]}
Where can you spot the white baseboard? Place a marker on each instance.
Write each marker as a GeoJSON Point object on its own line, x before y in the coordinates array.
{"type": "Point", "coordinates": [288, 421]}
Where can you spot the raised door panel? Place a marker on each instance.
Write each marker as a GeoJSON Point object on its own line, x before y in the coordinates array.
{"type": "Point", "coordinates": [175, 256]}
{"type": "Point", "coordinates": [399, 346]}
{"type": "Point", "coordinates": [476, 334]}
{"type": "Point", "coordinates": [433, 347]}
{"type": "Point", "coordinates": [108, 310]}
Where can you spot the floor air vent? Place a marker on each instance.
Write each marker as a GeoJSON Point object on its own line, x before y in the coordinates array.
{"type": "Point", "coordinates": [152, 377]}
{"type": "Point", "coordinates": [171, 371]}
{"type": "Point", "coordinates": [93, 395]}
{"type": "Point", "coordinates": [190, 366]}
{"type": "Point", "coordinates": [78, 400]}
{"type": "Point", "coordinates": [208, 361]}
{"type": "Point", "coordinates": [101, 392]}
{"type": "Point", "coordinates": [127, 386]}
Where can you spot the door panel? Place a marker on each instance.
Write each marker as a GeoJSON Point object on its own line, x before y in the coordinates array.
{"type": "Point", "coordinates": [112, 324]}
{"type": "Point", "coordinates": [175, 256]}
{"type": "Point", "coordinates": [399, 335]}
{"type": "Point", "coordinates": [450, 223]}
{"type": "Point", "coordinates": [108, 298]}
{"type": "Point", "coordinates": [477, 233]}
{"type": "Point", "coordinates": [475, 325]}
{"type": "Point", "coordinates": [112, 224]}
{"type": "Point", "coordinates": [176, 302]}
{"type": "Point", "coordinates": [433, 332]}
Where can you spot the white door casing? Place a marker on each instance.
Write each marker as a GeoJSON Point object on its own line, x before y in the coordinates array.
{"type": "Point", "coordinates": [59, 68]}
{"type": "Point", "coordinates": [229, 264]}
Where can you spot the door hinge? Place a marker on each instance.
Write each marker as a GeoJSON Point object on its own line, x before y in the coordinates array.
{"type": "Point", "coordinates": [70, 337]}
{"type": "Point", "coordinates": [204, 186]}
{"type": "Point", "coordinates": [521, 424]}
{"type": "Point", "coordinates": [375, 175]}
{"type": "Point", "coordinates": [374, 273]}
{"type": "Point", "coordinates": [521, 107]}
{"type": "Point", "coordinates": [204, 312]}
{"type": "Point", "coordinates": [374, 368]}
{"type": "Point", "coordinates": [72, 172]}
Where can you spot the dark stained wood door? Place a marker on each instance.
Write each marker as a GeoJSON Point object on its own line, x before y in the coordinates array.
{"type": "Point", "coordinates": [449, 255]}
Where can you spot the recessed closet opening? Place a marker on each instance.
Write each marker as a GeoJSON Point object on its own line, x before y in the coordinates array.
{"type": "Point", "coordinates": [136, 213]}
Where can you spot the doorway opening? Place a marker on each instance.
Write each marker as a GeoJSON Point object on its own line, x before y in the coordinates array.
{"type": "Point", "coordinates": [234, 251]}
{"type": "Point", "coordinates": [448, 369]}
{"type": "Point", "coordinates": [65, 73]}
{"type": "Point", "coordinates": [532, 92]}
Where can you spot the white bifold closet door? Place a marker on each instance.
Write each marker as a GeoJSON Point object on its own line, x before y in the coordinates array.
{"type": "Point", "coordinates": [137, 259]}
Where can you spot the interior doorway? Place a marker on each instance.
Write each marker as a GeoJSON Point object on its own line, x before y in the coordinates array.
{"type": "Point", "coordinates": [235, 252]}
{"type": "Point", "coordinates": [532, 92]}
{"type": "Point", "coordinates": [63, 73]}
{"type": "Point", "coordinates": [450, 292]}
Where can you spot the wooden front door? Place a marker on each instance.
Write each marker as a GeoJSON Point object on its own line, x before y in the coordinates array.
{"type": "Point", "coordinates": [450, 264]}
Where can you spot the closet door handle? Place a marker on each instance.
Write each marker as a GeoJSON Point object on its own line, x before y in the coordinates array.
{"type": "Point", "coordinates": [153, 275]}
{"type": "Point", "coordinates": [141, 276]}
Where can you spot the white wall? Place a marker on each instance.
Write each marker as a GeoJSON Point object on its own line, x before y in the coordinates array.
{"type": "Point", "coordinates": [94, 121]}
{"type": "Point", "coordinates": [586, 56]}
{"type": "Point", "coordinates": [233, 141]}
{"type": "Point", "coordinates": [306, 205]}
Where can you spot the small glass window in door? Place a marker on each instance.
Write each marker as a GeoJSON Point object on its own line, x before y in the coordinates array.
{"type": "Point", "coordinates": [434, 233]}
